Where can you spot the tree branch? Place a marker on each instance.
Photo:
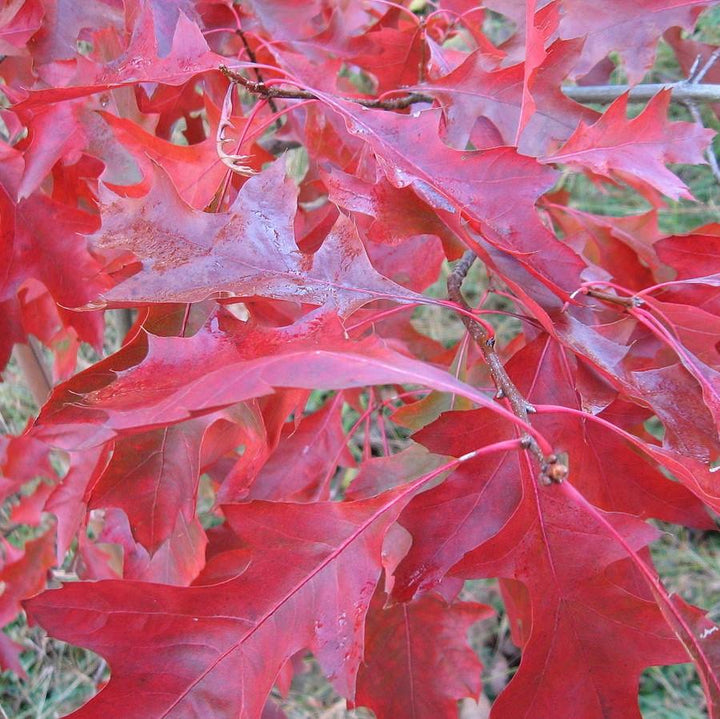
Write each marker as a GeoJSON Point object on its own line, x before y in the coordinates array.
{"type": "Point", "coordinates": [260, 88]}
{"type": "Point", "coordinates": [253, 58]}
{"type": "Point", "coordinates": [550, 469]}
{"type": "Point", "coordinates": [681, 92]}
{"type": "Point", "coordinates": [36, 374]}
{"type": "Point", "coordinates": [627, 302]}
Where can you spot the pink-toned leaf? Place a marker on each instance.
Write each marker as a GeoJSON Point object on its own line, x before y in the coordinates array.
{"type": "Point", "coordinates": [188, 56]}
{"type": "Point", "coordinates": [308, 580]}
{"type": "Point", "coordinates": [636, 150]}
{"type": "Point", "coordinates": [248, 251]}
{"type": "Point", "coordinates": [152, 476]}
{"type": "Point", "coordinates": [225, 363]}
{"type": "Point", "coordinates": [594, 624]}
{"type": "Point", "coordinates": [421, 650]}
{"type": "Point", "coordinates": [24, 571]}
{"type": "Point", "coordinates": [301, 467]}
{"type": "Point", "coordinates": [410, 153]}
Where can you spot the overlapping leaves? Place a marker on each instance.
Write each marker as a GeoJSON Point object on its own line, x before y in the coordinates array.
{"type": "Point", "coordinates": [204, 472]}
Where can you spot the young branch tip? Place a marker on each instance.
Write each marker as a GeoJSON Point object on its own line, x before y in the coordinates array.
{"type": "Point", "coordinates": [550, 470]}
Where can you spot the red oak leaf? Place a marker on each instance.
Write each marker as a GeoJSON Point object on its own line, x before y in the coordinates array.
{"type": "Point", "coordinates": [63, 24]}
{"type": "Point", "coordinates": [19, 21]}
{"type": "Point", "coordinates": [248, 251]}
{"type": "Point", "coordinates": [189, 55]}
{"type": "Point", "coordinates": [195, 169]}
{"type": "Point", "coordinates": [42, 241]}
{"type": "Point", "coordinates": [692, 256]}
{"type": "Point", "coordinates": [301, 467]}
{"type": "Point", "coordinates": [225, 363]}
{"type": "Point", "coordinates": [410, 152]}
{"type": "Point", "coordinates": [152, 476]}
{"type": "Point", "coordinates": [469, 507]}
{"type": "Point", "coordinates": [177, 560]}
{"type": "Point", "coordinates": [279, 331]}
{"type": "Point", "coordinates": [636, 150]}
{"type": "Point", "coordinates": [304, 581]}
{"type": "Point", "coordinates": [630, 29]}
{"type": "Point", "coordinates": [472, 91]}
{"type": "Point", "coordinates": [23, 574]}
{"type": "Point", "coordinates": [421, 650]}
{"type": "Point", "coordinates": [628, 483]}
{"type": "Point", "coordinates": [591, 622]}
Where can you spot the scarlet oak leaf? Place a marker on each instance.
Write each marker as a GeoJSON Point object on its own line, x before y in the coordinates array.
{"type": "Point", "coordinates": [544, 373]}
{"type": "Point", "coordinates": [636, 150]}
{"type": "Point", "coordinates": [702, 639]}
{"type": "Point", "coordinates": [693, 336]}
{"type": "Point", "coordinates": [624, 246]}
{"type": "Point", "coordinates": [194, 169]}
{"type": "Point", "coordinates": [23, 574]}
{"type": "Point", "coordinates": [669, 390]}
{"type": "Point", "coordinates": [394, 56]}
{"type": "Point", "coordinates": [305, 581]}
{"type": "Point", "coordinates": [69, 499]}
{"type": "Point", "coordinates": [63, 22]}
{"type": "Point", "coordinates": [226, 362]}
{"type": "Point", "coordinates": [692, 256]}
{"type": "Point", "coordinates": [396, 214]}
{"type": "Point", "coordinates": [468, 508]}
{"type": "Point", "coordinates": [473, 184]}
{"type": "Point", "coordinates": [152, 476]}
{"type": "Point", "coordinates": [472, 91]}
{"type": "Point", "coordinates": [420, 649]}
{"type": "Point", "coordinates": [42, 241]}
{"type": "Point", "coordinates": [630, 29]}
{"type": "Point", "coordinates": [378, 474]}
{"type": "Point", "coordinates": [54, 132]}
{"type": "Point", "coordinates": [304, 462]}
{"type": "Point", "coordinates": [592, 624]}
{"type": "Point", "coordinates": [177, 560]}
{"type": "Point", "coordinates": [190, 255]}
{"type": "Point", "coordinates": [19, 21]}
{"type": "Point", "coordinates": [189, 55]}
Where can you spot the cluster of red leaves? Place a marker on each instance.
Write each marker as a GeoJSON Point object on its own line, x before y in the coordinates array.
{"type": "Point", "coordinates": [253, 292]}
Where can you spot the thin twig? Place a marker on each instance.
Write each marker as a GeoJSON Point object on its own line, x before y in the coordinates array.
{"type": "Point", "coordinates": [4, 426]}
{"type": "Point", "coordinates": [627, 302]}
{"type": "Point", "coordinates": [550, 469]}
{"type": "Point", "coordinates": [682, 91]}
{"type": "Point", "coordinates": [694, 78]}
{"type": "Point", "coordinates": [505, 387]}
{"type": "Point", "coordinates": [260, 88]}
{"type": "Point", "coordinates": [697, 78]}
{"type": "Point", "coordinates": [253, 58]}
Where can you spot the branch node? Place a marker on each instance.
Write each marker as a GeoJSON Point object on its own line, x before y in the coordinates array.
{"type": "Point", "coordinates": [550, 469]}
{"type": "Point", "coordinates": [626, 302]}
{"type": "Point", "coordinates": [553, 471]}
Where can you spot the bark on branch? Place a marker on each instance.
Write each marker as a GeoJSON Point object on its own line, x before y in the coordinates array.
{"type": "Point", "coordinates": [550, 469]}
{"type": "Point", "coordinates": [681, 92]}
